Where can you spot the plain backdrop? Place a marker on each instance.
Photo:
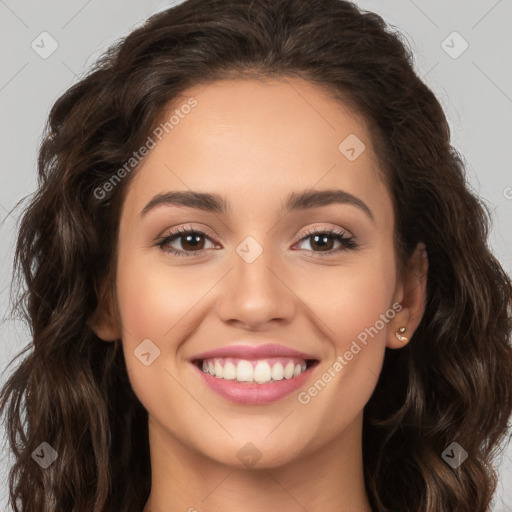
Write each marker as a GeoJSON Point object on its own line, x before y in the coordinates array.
{"type": "Point", "coordinates": [462, 50]}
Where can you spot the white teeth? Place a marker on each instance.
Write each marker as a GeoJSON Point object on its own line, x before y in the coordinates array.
{"type": "Point", "coordinates": [244, 371]}
{"type": "Point", "coordinates": [229, 371]}
{"type": "Point", "coordinates": [277, 371]}
{"type": "Point", "coordinates": [288, 370]}
{"type": "Point", "coordinates": [262, 372]}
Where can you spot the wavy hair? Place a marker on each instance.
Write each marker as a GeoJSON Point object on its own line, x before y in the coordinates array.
{"type": "Point", "coordinates": [451, 383]}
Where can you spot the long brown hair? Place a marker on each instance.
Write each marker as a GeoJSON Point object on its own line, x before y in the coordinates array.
{"type": "Point", "coordinates": [451, 383]}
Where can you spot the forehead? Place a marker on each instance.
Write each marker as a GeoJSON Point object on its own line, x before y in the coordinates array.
{"type": "Point", "coordinates": [254, 142]}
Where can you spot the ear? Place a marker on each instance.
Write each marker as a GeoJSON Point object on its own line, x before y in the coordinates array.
{"type": "Point", "coordinates": [104, 321]}
{"type": "Point", "coordinates": [412, 294]}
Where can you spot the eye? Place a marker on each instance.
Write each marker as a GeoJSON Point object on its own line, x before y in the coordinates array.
{"type": "Point", "coordinates": [189, 239]}
{"type": "Point", "coordinates": [320, 239]}
{"type": "Point", "coordinates": [192, 241]}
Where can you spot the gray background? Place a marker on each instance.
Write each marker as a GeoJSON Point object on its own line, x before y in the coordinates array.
{"type": "Point", "coordinates": [475, 89]}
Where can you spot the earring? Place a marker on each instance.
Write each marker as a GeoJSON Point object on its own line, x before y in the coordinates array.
{"type": "Point", "coordinates": [399, 336]}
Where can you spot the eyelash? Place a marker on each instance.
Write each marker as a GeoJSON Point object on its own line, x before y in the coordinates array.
{"type": "Point", "coordinates": [339, 235]}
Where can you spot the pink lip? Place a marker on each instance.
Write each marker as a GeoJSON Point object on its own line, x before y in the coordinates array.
{"type": "Point", "coordinates": [252, 393]}
{"type": "Point", "coordinates": [253, 352]}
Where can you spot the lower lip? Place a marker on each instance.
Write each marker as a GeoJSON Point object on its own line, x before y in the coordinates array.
{"type": "Point", "coordinates": [253, 393]}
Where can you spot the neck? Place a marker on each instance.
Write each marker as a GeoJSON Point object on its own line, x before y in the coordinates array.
{"type": "Point", "coordinates": [327, 478]}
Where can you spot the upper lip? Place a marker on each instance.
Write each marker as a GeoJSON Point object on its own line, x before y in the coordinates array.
{"type": "Point", "coordinates": [246, 351]}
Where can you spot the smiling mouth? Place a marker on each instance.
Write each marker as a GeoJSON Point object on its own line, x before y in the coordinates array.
{"type": "Point", "coordinates": [259, 371]}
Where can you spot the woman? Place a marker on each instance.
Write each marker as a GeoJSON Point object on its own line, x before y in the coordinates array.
{"type": "Point", "coordinates": [240, 208]}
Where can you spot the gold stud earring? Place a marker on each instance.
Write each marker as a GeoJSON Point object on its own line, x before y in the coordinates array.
{"type": "Point", "coordinates": [399, 336]}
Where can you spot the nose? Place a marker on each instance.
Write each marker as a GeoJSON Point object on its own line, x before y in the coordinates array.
{"type": "Point", "coordinates": [255, 293]}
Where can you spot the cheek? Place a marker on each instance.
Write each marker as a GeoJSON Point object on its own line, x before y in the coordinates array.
{"type": "Point", "coordinates": [153, 299]}
{"type": "Point", "coordinates": [360, 302]}
{"type": "Point", "coordinates": [155, 304]}
{"type": "Point", "coordinates": [353, 296]}
{"type": "Point", "coordinates": [356, 305]}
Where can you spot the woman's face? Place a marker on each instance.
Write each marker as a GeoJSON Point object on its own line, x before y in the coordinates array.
{"type": "Point", "coordinates": [252, 274]}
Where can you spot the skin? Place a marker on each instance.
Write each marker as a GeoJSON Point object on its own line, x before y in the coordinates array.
{"type": "Point", "coordinates": [253, 143]}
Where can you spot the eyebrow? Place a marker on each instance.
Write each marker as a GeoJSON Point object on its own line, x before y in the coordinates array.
{"type": "Point", "coordinates": [296, 201]}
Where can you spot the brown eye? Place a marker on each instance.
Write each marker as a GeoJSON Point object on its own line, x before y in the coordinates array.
{"type": "Point", "coordinates": [323, 241]}
{"type": "Point", "coordinates": [191, 241]}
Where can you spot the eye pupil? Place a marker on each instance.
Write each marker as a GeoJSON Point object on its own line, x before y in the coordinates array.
{"type": "Point", "coordinates": [322, 239]}
{"type": "Point", "coordinates": [190, 240]}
